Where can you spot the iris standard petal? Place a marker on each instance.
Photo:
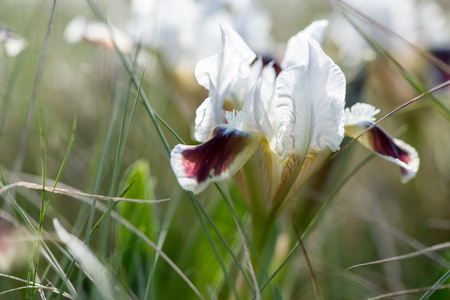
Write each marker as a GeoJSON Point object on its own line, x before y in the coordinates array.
{"type": "Point", "coordinates": [217, 73]}
{"type": "Point", "coordinates": [297, 46]}
{"type": "Point", "coordinates": [206, 117]}
{"type": "Point", "coordinates": [394, 150]}
{"type": "Point", "coordinates": [217, 159]}
{"type": "Point", "coordinates": [310, 105]}
{"type": "Point", "coordinates": [256, 112]}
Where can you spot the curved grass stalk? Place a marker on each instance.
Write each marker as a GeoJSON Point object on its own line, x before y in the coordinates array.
{"type": "Point", "coordinates": [407, 292]}
{"type": "Point", "coordinates": [45, 250]}
{"type": "Point", "coordinates": [69, 192]}
{"type": "Point", "coordinates": [32, 287]}
{"type": "Point", "coordinates": [404, 256]}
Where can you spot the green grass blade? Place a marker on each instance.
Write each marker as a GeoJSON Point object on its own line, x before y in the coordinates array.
{"type": "Point", "coordinates": [44, 249]}
{"type": "Point", "coordinates": [149, 242]}
{"type": "Point", "coordinates": [436, 286]}
{"type": "Point", "coordinates": [196, 205]}
{"type": "Point", "coordinates": [18, 163]}
{"type": "Point", "coordinates": [102, 163]}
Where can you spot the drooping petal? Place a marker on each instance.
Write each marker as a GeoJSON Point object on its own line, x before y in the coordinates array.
{"type": "Point", "coordinates": [394, 150]}
{"type": "Point", "coordinates": [310, 105]}
{"type": "Point", "coordinates": [359, 117]}
{"type": "Point", "coordinates": [297, 47]}
{"type": "Point", "coordinates": [217, 74]}
{"type": "Point", "coordinates": [217, 159]}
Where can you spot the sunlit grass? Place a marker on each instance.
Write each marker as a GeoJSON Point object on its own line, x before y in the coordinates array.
{"type": "Point", "coordinates": [85, 140]}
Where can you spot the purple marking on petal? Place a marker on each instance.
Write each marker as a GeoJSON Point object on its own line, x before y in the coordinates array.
{"type": "Point", "coordinates": [384, 144]}
{"type": "Point", "coordinates": [216, 154]}
{"type": "Point", "coordinates": [267, 60]}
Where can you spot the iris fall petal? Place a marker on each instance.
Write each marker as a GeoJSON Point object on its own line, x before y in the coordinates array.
{"type": "Point", "coordinates": [219, 158]}
{"type": "Point", "coordinates": [360, 117]}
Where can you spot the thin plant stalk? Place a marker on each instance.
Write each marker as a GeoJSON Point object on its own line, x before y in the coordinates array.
{"type": "Point", "coordinates": [314, 280]}
{"type": "Point", "coordinates": [317, 216]}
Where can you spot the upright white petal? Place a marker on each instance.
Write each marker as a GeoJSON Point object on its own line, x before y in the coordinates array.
{"type": "Point", "coordinates": [257, 116]}
{"type": "Point", "coordinates": [206, 117]}
{"type": "Point", "coordinates": [217, 74]}
{"type": "Point", "coordinates": [268, 80]}
{"type": "Point", "coordinates": [297, 47]}
{"type": "Point", "coordinates": [310, 105]}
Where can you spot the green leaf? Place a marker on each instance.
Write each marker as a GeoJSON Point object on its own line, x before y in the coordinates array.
{"type": "Point", "coordinates": [137, 184]}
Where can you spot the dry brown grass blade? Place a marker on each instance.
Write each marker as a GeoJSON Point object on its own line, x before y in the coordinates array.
{"type": "Point", "coordinates": [407, 292]}
{"type": "Point", "coordinates": [75, 193]}
{"type": "Point", "coordinates": [405, 256]}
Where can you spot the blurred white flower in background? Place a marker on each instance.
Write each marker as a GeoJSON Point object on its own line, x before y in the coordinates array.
{"type": "Point", "coordinates": [13, 43]}
{"type": "Point", "coordinates": [185, 31]}
{"type": "Point", "coordinates": [399, 16]}
{"type": "Point", "coordinates": [79, 29]}
{"type": "Point", "coordinates": [421, 23]}
{"type": "Point", "coordinates": [14, 244]}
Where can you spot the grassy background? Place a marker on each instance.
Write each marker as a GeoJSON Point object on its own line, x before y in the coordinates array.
{"type": "Point", "coordinates": [372, 217]}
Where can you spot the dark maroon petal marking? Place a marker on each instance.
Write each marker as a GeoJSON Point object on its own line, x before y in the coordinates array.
{"type": "Point", "coordinates": [216, 154]}
{"type": "Point", "coordinates": [384, 144]}
{"type": "Point", "coordinates": [444, 55]}
{"type": "Point", "coordinates": [266, 60]}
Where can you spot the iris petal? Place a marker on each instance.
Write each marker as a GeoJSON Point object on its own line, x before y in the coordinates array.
{"type": "Point", "coordinates": [215, 160]}
{"type": "Point", "coordinates": [394, 150]}
{"type": "Point", "coordinates": [297, 46]}
{"type": "Point", "coordinates": [310, 105]}
{"type": "Point", "coordinates": [217, 74]}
